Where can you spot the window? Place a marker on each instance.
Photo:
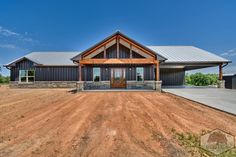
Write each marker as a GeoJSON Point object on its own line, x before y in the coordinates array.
{"type": "Point", "coordinates": [96, 74]}
{"type": "Point", "coordinates": [139, 73]}
{"type": "Point", "coordinates": [27, 76]}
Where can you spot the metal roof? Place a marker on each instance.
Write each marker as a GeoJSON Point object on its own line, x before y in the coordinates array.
{"type": "Point", "coordinates": [49, 58]}
{"type": "Point", "coordinates": [187, 54]}
{"type": "Point", "coordinates": [174, 54]}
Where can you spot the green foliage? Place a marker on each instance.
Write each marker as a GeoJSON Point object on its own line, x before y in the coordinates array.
{"type": "Point", "coordinates": [4, 79]}
{"type": "Point", "coordinates": [199, 79]}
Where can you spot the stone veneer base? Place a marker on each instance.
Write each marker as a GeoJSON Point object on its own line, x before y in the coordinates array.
{"type": "Point", "coordinates": [44, 84]}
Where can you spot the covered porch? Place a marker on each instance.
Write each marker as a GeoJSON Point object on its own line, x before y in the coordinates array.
{"type": "Point", "coordinates": [118, 62]}
{"type": "Point", "coordinates": [119, 74]}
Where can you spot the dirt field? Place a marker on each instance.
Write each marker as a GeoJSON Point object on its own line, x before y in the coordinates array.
{"type": "Point", "coordinates": [55, 122]}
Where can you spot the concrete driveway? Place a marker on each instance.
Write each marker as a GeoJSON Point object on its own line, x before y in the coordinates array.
{"type": "Point", "coordinates": [222, 99]}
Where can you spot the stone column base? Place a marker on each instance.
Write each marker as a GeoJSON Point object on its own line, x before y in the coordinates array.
{"type": "Point", "coordinates": [221, 84]}
{"type": "Point", "coordinates": [80, 86]}
{"type": "Point", "coordinates": [158, 85]}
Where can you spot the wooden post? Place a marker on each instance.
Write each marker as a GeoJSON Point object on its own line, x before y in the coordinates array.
{"type": "Point", "coordinates": [157, 71]}
{"type": "Point", "coordinates": [130, 52]}
{"type": "Point", "coordinates": [80, 72]}
{"type": "Point", "coordinates": [105, 52]}
{"type": "Point", "coordinates": [220, 72]}
{"type": "Point", "coordinates": [118, 48]}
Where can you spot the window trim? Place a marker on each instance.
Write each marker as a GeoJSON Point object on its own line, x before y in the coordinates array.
{"type": "Point", "coordinates": [26, 76]}
{"type": "Point", "coordinates": [99, 74]}
{"type": "Point", "coordinates": [142, 75]}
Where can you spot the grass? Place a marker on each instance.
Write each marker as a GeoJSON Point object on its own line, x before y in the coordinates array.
{"type": "Point", "coordinates": [191, 142]}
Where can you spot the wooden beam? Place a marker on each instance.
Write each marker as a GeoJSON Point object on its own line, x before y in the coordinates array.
{"type": "Point", "coordinates": [118, 47]}
{"type": "Point", "coordinates": [99, 46]}
{"type": "Point", "coordinates": [130, 51]}
{"type": "Point", "coordinates": [80, 72]}
{"type": "Point", "coordinates": [220, 72]}
{"type": "Point", "coordinates": [157, 71]}
{"type": "Point", "coordinates": [119, 61]}
{"type": "Point", "coordinates": [137, 46]}
{"type": "Point", "coordinates": [105, 52]}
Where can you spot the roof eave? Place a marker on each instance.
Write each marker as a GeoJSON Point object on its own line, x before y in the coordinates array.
{"type": "Point", "coordinates": [18, 60]}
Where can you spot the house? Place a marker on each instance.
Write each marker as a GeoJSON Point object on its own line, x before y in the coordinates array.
{"type": "Point", "coordinates": [230, 81]}
{"type": "Point", "coordinates": [116, 62]}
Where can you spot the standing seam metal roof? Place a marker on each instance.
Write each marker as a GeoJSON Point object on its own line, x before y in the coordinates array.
{"type": "Point", "coordinates": [181, 54]}
{"type": "Point", "coordinates": [174, 54]}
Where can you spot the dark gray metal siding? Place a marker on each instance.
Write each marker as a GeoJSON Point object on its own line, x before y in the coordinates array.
{"type": "Point", "coordinates": [46, 73]}
{"type": "Point", "coordinates": [136, 55]}
{"type": "Point", "coordinates": [172, 76]}
{"type": "Point", "coordinates": [234, 82]}
{"type": "Point", "coordinates": [100, 55]}
{"type": "Point", "coordinates": [130, 73]}
{"type": "Point", "coordinates": [56, 73]}
{"type": "Point", "coordinates": [22, 65]}
{"type": "Point", "coordinates": [106, 72]}
{"type": "Point", "coordinates": [87, 73]}
{"type": "Point", "coordinates": [230, 82]}
{"type": "Point", "coordinates": [111, 52]}
{"type": "Point", "coordinates": [124, 52]}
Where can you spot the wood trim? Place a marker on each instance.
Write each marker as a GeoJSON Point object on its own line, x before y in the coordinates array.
{"type": "Point", "coordinates": [137, 46]}
{"type": "Point", "coordinates": [80, 72]}
{"type": "Point", "coordinates": [130, 51]}
{"type": "Point", "coordinates": [118, 37]}
{"type": "Point", "coordinates": [105, 52]}
{"type": "Point", "coordinates": [117, 47]}
{"type": "Point", "coordinates": [220, 72]}
{"type": "Point", "coordinates": [157, 71]}
{"type": "Point", "coordinates": [120, 61]}
{"type": "Point", "coordinates": [97, 47]}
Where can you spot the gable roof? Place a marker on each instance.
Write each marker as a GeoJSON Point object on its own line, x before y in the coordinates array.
{"type": "Point", "coordinates": [174, 54]}
{"type": "Point", "coordinates": [160, 57]}
{"type": "Point", "coordinates": [187, 54]}
{"type": "Point", "coordinates": [48, 58]}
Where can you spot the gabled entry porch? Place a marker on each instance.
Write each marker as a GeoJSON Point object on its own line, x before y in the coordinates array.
{"type": "Point", "coordinates": [118, 62]}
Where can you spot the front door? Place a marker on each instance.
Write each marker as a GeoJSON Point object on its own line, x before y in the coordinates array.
{"type": "Point", "coordinates": [118, 78]}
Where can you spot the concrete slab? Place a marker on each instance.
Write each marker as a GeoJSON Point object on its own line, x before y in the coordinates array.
{"type": "Point", "coordinates": [222, 99]}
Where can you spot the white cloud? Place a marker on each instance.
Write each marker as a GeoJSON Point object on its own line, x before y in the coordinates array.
{"type": "Point", "coordinates": [7, 32]}
{"type": "Point", "coordinates": [8, 46]}
{"type": "Point", "coordinates": [229, 53]}
{"type": "Point", "coordinates": [11, 34]}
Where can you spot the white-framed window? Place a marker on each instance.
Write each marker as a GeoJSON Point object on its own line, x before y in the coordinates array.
{"type": "Point", "coordinates": [27, 76]}
{"type": "Point", "coordinates": [96, 74]}
{"type": "Point", "coordinates": [139, 74]}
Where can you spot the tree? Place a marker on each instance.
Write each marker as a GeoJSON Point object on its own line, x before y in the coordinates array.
{"type": "Point", "coordinates": [199, 79]}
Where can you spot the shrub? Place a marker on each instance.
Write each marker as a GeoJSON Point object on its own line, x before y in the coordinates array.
{"type": "Point", "coordinates": [4, 79]}
{"type": "Point", "coordinates": [199, 79]}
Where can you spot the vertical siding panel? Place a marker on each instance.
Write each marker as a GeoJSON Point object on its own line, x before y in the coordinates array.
{"type": "Point", "coordinates": [172, 76]}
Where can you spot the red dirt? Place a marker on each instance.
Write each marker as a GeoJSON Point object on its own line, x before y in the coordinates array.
{"type": "Point", "coordinates": [55, 122]}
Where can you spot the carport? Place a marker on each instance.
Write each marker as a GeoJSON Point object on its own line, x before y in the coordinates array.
{"type": "Point", "coordinates": [218, 98]}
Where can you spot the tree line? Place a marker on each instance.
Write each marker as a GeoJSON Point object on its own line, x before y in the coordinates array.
{"type": "Point", "coordinates": [199, 79]}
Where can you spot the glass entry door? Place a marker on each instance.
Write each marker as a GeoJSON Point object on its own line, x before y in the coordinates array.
{"type": "Point", "coordinates": [118, 78]}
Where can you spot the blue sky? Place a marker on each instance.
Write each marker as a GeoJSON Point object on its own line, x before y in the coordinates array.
{"type": "Point", "coordinates": [59, 25]}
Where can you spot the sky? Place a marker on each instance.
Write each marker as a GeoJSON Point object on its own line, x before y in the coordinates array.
{"type": "Point", "coordinates": [73, 25]}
